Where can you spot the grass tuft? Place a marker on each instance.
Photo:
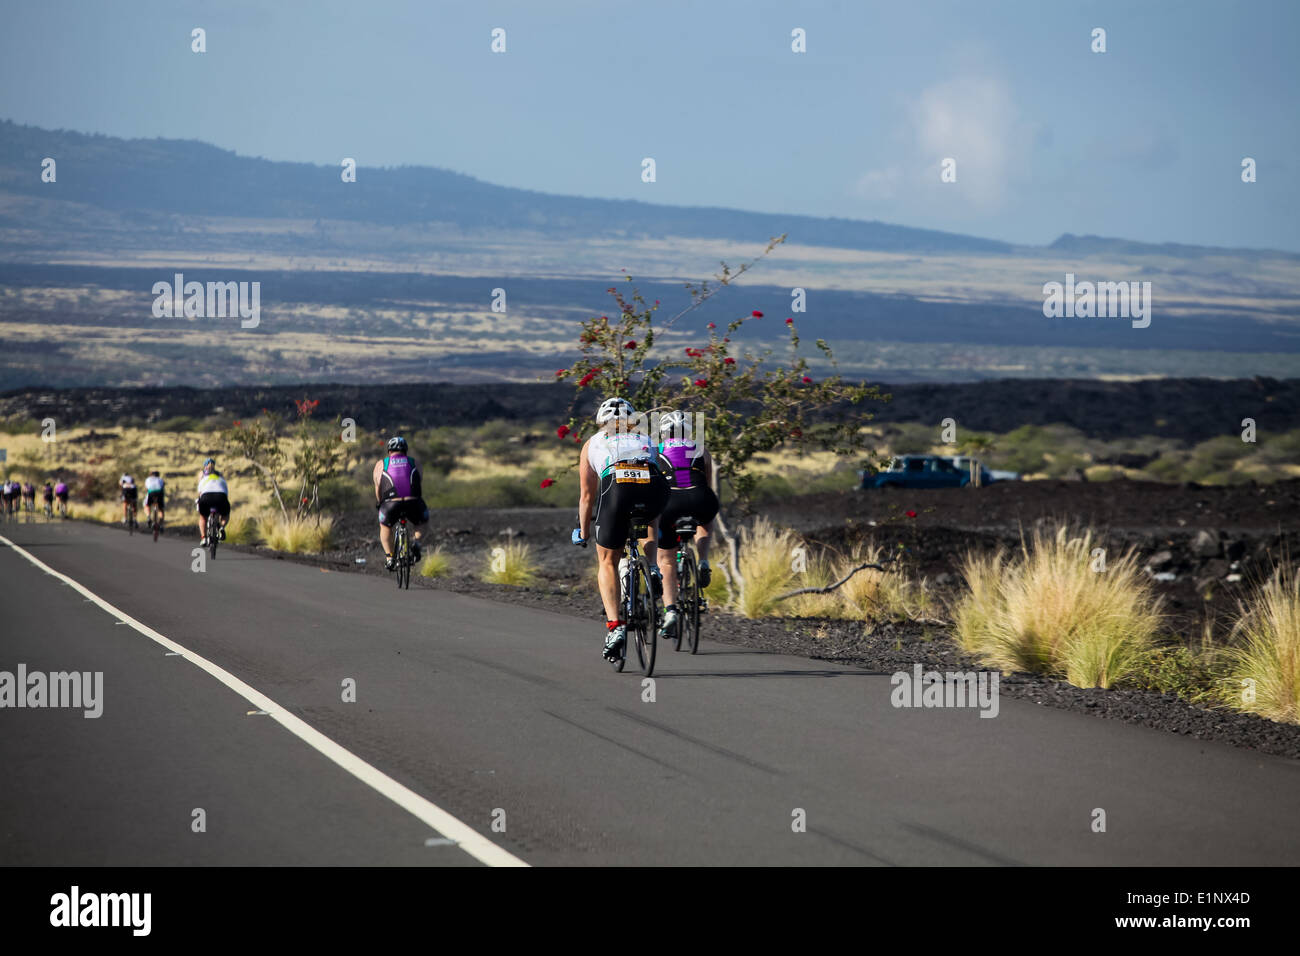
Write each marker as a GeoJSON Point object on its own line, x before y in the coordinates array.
{"type": "Point", "coordinates": [296, 536]}
{"type": "Point", "coordinates": [510, 564]}
{"type": "Point", "coordinates": [436, 564]}
{"type": "Point", "coordinates": [1045, 610]}
{"type": "Point", "coordinates": [1265, 663]}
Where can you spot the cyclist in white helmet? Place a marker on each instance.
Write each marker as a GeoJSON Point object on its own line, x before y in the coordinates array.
{"type": "Point", "coordinates": [608, 495]}
{"type": "Point", "coordinates": [689, 469]}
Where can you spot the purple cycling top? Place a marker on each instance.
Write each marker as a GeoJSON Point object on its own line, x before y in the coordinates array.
{"type": "Point", "coordinates": [396, 480]}
{"type": "Point", "coordinates": [60, 489]}
{"type": "Point", "coordinates": [686, 460]}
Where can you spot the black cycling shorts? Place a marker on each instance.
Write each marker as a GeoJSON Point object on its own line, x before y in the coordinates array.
{"type": "Point", "coordinates": [154, 497]}
{"type": "Point", "coordinates": [413, 510]}
{"type": "Point", "coordinates": [213, 499]}
{"type": "Point", "coordinates": [698, 501]}
{"type": "Point", "coordinates": [61, 495]}
{"type": "Point", "coordinates": [619, 502]}
{"type": "Point", "coordinates": [50, 496]}
{"type": "Point", "coordinates": [130, 494]}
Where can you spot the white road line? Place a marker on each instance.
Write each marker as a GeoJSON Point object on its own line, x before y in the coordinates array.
{"type": "Point", "coordinates": [466, 837]}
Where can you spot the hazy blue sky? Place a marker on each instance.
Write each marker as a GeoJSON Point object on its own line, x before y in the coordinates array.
{"type": "Point", "coordinates": [1144, 141]}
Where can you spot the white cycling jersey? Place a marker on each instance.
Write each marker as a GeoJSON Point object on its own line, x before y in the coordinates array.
{"type": "Point", "coordinates": [213, 484]}
{"type": "Point", "coordinates": [152, 484]}
{"type": "Point", "coordinates": [608, 449]}
{"type": "Point", "coordinates": [126, 481]}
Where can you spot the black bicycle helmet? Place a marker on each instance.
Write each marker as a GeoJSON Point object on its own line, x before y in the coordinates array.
{"type": "Point", "coordinates": [397, 443]}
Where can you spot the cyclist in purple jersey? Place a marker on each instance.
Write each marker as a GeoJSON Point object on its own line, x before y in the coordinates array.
{"type": "Point", "coordinates": [689, 467]}
{"type": "Point", "coordinates": [399, 493]}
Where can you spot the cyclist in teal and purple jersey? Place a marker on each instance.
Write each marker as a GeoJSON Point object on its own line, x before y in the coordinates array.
{"type": "Point", "coordinates": [689, 467]}
{"type": "Point", "coordinates": [398, 491]}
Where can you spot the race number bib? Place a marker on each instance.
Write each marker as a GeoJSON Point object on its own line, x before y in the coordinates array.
{"type": "Point", "coordinates": [634, 474]}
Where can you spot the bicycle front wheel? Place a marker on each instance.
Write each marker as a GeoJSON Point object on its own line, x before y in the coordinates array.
{"type": "Point", "coordinates": [644, 625]}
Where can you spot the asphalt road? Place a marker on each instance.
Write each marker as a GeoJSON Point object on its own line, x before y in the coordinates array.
{"type": "Point", "coordinates": [491, 733]}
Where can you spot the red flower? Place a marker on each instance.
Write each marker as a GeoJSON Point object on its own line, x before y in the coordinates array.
{"type": "Point", "coordinates": [713, 325]}
{"type": "Point", "coordinates": [304, 501]}
{"type": "Point", "coordinates": [631, 344]}
{"type": "Point", "coordinates": [701, 382]}
{"type": "Point", "coordinates": [656, 301]}
{"type": "Point", "coordinates": [577, 439]}
{"type": "Point", "coordinates": [796, 433]}
{"type": "Point", "coordinates": [586, 379]}
{"type": "Point", "coordinates": [911, 514]}
{"type": "Point", "coordinates": [547, 482]}
{"type": "Point", "coordinates": [807, 380]}
{"type": "Point", "coordinates": [728, 361]}
{"type": "Point", "coordinates": [562, 430]}
{"type": "Point", "coordinates": [789, 321]}
{"type": "Point", "coordinates": [559, 372]}
{"type": "Point", "coordinates": [756, 314]}
{"type": "Point", "coordinates": [236, 424]}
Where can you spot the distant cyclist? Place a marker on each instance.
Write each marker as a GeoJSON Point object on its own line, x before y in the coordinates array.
{"type": "Point", "coordinates": [213, 493]}
{"type": "Point", "coordinates": [29, 496]}
{"type": "Point", "coordinates": [399, 493]}
{"type": "Point", "coordinates": [153, 495]}
{"type": "Point", "coordinates": [47, 496]}
{"type": "Point", "coordinates": [11, 492]}
{"type": "Point", "coordinates": [130, 494]}
{"type": "Point", "coordinates": [61, 492]}
{"type": "Point", "coordinates": [607, 499]}
{"type": "Point", "coordinates": [689, 468]}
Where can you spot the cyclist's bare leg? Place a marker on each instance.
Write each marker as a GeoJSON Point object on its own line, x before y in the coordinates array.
{"type": "Point", "coordinates": [666, 561]}
{"type": "Point", "coordinates": [702, 535]}
{"type": "Point", "coordinates": [607, 579]}
{"type": "Point", "coordinates": [203, 526]}
{"type": "Point", "coordinates": [386, 538]}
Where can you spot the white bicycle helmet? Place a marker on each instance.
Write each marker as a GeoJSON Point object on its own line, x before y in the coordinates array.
{"type": "Point", "coordinates": [673, 423]}
{"type": "Point", "coordinates": [612, 408]}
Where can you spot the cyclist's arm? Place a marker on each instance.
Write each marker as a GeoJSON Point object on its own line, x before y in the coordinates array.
{"type": "Point", "coordinates": [708, 468]}
{"type": "Point", "coordinates": [417, 483]}
{"type": "Point", "coordinates": [378, 475]}
{"type": "Point", "coordinates": [588, 483]}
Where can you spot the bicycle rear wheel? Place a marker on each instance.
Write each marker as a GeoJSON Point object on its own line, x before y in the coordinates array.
{"type": "Point", "coordinates": [689, 601]}
{"type": "Point", "coordinates": [399, 552]}
{"type": "Point", "coordinates": [214, 532]}
{"type": "Point", "coordinates": [644, 626]}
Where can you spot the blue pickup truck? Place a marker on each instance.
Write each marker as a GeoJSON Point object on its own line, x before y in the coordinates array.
{"type": "Point", "coordinates": [923, 471]}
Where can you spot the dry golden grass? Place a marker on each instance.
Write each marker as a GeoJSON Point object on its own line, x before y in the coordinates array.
{"type": "Point", "coordinates": [297, 535]}
{"type": "Point", "coordinates": [767, 566]}
{"type": "Point", "coordinates": [511, 564]}
{"type": "Point", "coordinates": [243, 529]}
{"type": "Point", "coordinates": [1265, 665]}
{"type": "Point", "coordinates": [436, 564]}
{"type": "Point", "coordinates": [1046, 610]}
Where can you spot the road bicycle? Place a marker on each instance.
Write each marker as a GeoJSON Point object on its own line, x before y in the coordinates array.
{"type": "Point", "coordinates": [49, 511]}
{"type": "Point", "coordinates": [637, 598]}
{"type": "Point", "coordinates": [213, 532]}
{"type": "Point", "coordinates": [690, 602]}
{"type": "Point", "coordinates": [130, 517]}
{"type": "Point", "coordinates": [63, 508]}
{"type": "Point", "coordinates": [155, 519]}
{"type": "Point", "coordinates": [402, 557]}
{"type": "Point", "coordinates": [29, 509]}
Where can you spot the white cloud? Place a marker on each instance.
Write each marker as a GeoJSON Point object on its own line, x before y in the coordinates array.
{"type": "Point", "coordinates": [969, 118]}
